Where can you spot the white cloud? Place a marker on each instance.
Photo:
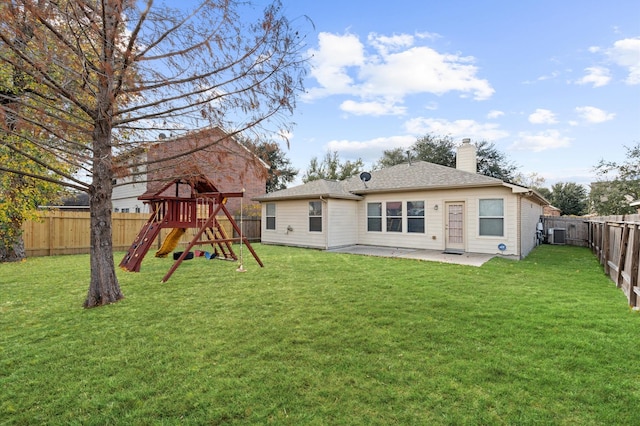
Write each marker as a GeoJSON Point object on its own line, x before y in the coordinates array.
{"type": "Point", "coordinates": [421, 69]}
{"type": "Point", "coordinates": [375, 109]}
{"type": "Point", "coordinates": [549, 139]}
{"type": "Point", "coordinates": [626, 53]}
{"type": "Point", "coordinates": [594, 115]}
{"type": "Point", "coordinates": [331, 61]}
{"type": "Point", "coordinates": [456, 129]}
{"type": "Point", "coordinates": [598, 76]}
{"type": "Point", "coordinates": [390, 67]}
{"type": "Point", "coordinates": [494, 114]}
{"type": "Point", "coordinates": [369, 150]}
{"type": "Point", "coordinates": [384, 44]}
{"type": "Point", "coordinates": [542, 116]}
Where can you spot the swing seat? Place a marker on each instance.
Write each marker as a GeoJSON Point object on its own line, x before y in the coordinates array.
{"type": "Point", "coordinates": [177, 254]}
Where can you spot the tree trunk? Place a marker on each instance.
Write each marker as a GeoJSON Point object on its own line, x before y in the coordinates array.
{"type": "Point", "coordinates": [104, 287]}
{"type": "Point", "coordinates": [15, 252]}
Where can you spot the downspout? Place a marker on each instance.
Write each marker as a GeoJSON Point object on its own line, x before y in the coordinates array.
{"type": "Point", "coordinates": [519, 236]}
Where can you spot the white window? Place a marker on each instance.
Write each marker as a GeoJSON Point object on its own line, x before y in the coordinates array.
{"type": "Point", "coordinates": [415, 216]}
{"type": "Point", "coordinates": [374, 217]}
{"type": "Point", "coordinates": [491, 217]}
{"type": "Point", "coordinates": [394, 216]}
{"type": "Point", "coordinates": [315, 216]}
{"type": "Point", "coordinates": [271, 216]}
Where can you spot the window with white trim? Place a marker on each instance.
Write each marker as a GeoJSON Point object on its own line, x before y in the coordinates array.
{"type": "Point", "coordinates": [415, 216]}
{"type": "Point", "coordinates": [374, 217]}
{"type": "Point", "coordinates": [315, 216]}
{"type": "Point", "coordinates": [270, 216]}
{"type": "Point", "coordinates": [491, 217]}
{"type": "Point", "coordinates": [394, 216]}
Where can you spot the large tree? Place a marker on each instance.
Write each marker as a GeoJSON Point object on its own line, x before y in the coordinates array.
{"type": "Point", "coordinates": [281, 172]}
{"type": "Point", "coordinates": [20, 194]}
{"type": "Point", "coordinates": [618, 184]}
{"type": "Point", "coordinates": [494, 163]}
{"type": "Point", "coordinates": [110, 75]}
{"type": "Point", "coordinates": [442, 150]}
{"type": "Point", "coordinates": [570, 198]}
{"type": "Point", "coordinates": [331, 167]}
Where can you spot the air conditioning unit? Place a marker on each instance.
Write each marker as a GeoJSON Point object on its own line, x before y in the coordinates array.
{"type": "Point", "coordinates": [557, 235]}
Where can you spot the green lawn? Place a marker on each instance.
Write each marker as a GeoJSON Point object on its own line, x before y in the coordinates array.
{"type": "Point", "coordinates": [321, 338]}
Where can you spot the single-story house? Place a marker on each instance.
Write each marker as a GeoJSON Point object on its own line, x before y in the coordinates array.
{"type": "Point", "coordinates": [412, 205]}
{"type": "Point", "coordinates": [211, 152]}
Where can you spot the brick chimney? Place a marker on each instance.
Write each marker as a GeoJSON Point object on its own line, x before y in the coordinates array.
{"type": "Point", "coordinates": [466, 157]}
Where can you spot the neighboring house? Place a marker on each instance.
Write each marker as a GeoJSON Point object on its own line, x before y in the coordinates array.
{"type": "Point", "coordinates": [125, 195]}
{"type": "Point", "coordinates": [416, 205]}
{"type": "Point", "coordinates": [211, 152]}
{"type": "Point", "coordinates": [551, 211]}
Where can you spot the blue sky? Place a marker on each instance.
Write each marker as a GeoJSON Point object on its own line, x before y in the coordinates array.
{"type": "Point", "coordinates": [555, 85]}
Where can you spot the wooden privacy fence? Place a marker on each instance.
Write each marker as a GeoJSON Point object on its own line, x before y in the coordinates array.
{"type": "Point", "coordinates": [576, 229]}
{"type": "Point", "coordinates": [615, 241]}
{"type": "Point", "coordinates": [64, 232]}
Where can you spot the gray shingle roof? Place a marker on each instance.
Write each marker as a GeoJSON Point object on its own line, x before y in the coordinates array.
{"type": "Point", "coordinates": [313, 189]}
{"type": "Point", "coordinates": [418, 175]}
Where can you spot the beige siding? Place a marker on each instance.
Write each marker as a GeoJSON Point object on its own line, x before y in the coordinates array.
{"type": "Point", "coordinates": [292, 225]}
{"type": "Point", "coordinates": [484, 244]}
{"type": "Point", "coordinates": [340, 222]}
{"type": "Point", "coordinates": [434, 236]}
{"type": "Point", "coordinates": [345, 222]}
{"type": "Point", "coordinates": [530, 213]}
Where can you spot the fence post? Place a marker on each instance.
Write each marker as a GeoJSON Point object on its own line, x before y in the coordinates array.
{"type": "Point", "coordinates": [622, 258]}
{"type": "Point", "coordinates": [635, 260]}
{"type": "Point", "coordinates": [606, 250]}
{"type": "Point", "coordinates": [50, 220]}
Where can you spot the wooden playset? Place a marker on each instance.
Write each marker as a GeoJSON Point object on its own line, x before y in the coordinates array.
{"type": "Point", "coordinates": [183, 204]}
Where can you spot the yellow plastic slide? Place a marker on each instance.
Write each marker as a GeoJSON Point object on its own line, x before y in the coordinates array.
{"type": "Point", "coordinates": [170, 242]}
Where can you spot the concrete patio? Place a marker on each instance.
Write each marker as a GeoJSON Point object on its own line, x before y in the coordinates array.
{"type": "Point", "coordinates": [470, 259]}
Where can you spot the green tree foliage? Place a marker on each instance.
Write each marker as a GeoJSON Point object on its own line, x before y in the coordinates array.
{"type": "Point", "coordinates": [332, 168]}
{"type": "Point", "coordinates": [109, 76]}
{"type": "Point", "coordinates": [20, 193]}
{"type": "Point", "coordinates": [494, 163]}
{"type": "Point", "coordinates": [442, 150]}
{"type": "Point", "coordinates": [570, 198]}
{"type": "Point", "coordinates": [281, 172]}
{"type": "Point", "coordinates": [439, 150]}
{"type": "Point", "coordinates": [618, 184]}
{"type": "Point", "coordinates": [391, 157]}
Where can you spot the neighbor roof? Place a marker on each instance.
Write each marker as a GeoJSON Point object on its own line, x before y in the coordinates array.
{"type": "Point", "coordinates": [417, 175]}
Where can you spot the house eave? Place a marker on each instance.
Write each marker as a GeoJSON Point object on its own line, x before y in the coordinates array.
{"type": "Point", "coordinates": [365, 191]}
{"type": "Point", "coordinates": [266, 199]}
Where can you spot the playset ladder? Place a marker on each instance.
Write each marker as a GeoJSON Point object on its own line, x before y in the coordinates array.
{"type": "Point", "coordinates": [132, 260]}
